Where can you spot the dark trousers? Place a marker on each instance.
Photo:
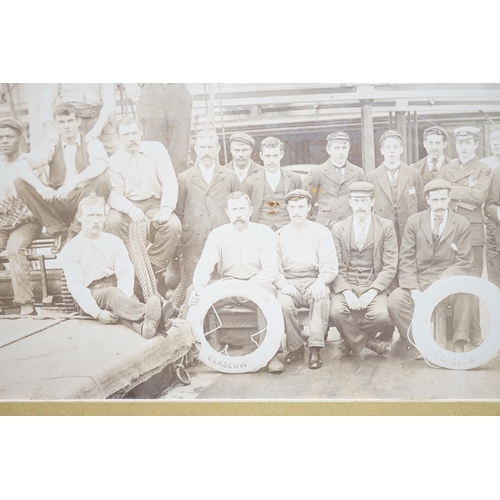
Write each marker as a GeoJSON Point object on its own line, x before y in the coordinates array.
{"type": "Point", "coordinates": [357, 327]}
{"type": "Point", "coordinates": [128, 309]}
{"type": "Point", "coordinates": [16, 241]}
{"type": "Point", "coordinates": [167, 234]}
{"type": "Point", "coordinates": [166, 118]}
{"type": "Point", "coordinates": [492, 254]}
{"type": "Point", "coordinates": [477, 271]}
{"type": "Point", "coordinates": [318, 314]}
{"type": "Point", "coordinates": [58, 215]}
{"type": "Point", "coordinates": [401, 308]}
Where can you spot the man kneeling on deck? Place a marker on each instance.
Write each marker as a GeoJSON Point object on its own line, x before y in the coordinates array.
{"type": "Point", "coordinates": [100, 275]}
{"type": "Point", "coordinates": [368, 253]}
{"type": "Point", "coordinates": [241, 250]}
{"type": "Point", "coordinates": [307, 263]}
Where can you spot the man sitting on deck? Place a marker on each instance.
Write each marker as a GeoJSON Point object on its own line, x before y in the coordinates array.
{"type": "Point", "coordinates": [241, 250]}
{"type": "Point", "coordinates": [100, 275]}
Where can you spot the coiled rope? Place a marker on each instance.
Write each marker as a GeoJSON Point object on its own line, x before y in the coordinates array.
{"type": "Point", "coordinates": [139, 256]}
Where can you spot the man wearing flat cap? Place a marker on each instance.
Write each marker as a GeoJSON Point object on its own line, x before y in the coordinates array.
{"type": "Point", "coordinates": [18, 226]}
{"type": "Point", "coordinates": [470, 180]}
{"type": "Point", "coordinates": [435, 141]}
{"type": "Point", "coordinates": [268, 188]}
{"type": "Point", "coordinates": [329, 183]}
{"type": "Point", "coordinates": [307, 264]}
{"type": "Point", "coordinates": [241, 146]}
{"type": "Point", "coordinates": [398, 187]}
{"type": "Point", "coordinates": [437, 243]}
{"type": "Point", "coordinates": [368, 258]}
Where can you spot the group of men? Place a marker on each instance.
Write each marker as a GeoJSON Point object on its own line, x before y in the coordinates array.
{"type": "Point", "coordinates": [357, 249]}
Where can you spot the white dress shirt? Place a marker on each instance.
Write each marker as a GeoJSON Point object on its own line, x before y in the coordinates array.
{"type": "Point", "coordinates": [392, 166]}
{"type": "Point", "coordinates": [242, 173]}
{"type": "Point", "coordinates": [85, 260]}
{"type": "Point", "coordinates": [69, 155]}
{"type": "Point", "coordinates": [358, 230]}
{"type": "Point", "coordinates": [207, 173]}
{"type": "Point", "coordinates": [273, 179]}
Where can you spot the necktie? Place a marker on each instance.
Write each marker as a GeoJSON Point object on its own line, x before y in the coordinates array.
{"type": "Point", "coordinates": [435, 231]}
{"type": "Point", "coordinates": [392, 175]}
{"type": "Point", "coordinates": [340, 170]}
{"type": "Point", "coordinates": [361, 236]}
{"type": "Point", "coordinates": [434, 169]}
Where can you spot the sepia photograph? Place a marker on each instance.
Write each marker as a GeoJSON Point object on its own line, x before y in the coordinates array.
{"type": "Point", "coordinates": [250, 242]}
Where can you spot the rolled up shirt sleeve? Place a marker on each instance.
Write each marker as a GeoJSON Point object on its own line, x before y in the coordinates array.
{"type": "Point", "coordinates": [166, 175]}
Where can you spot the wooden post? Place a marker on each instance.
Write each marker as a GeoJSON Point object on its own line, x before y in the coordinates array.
{"type": "Point", "coordinates": [415, 138]}
{"type": "Point", "coordinates": [401, 128]}
{"type": "Point", "coordinates": [367, 135]}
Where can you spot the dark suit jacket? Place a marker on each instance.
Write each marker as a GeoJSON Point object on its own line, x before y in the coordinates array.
{"type": "Point", "coordinates": [385, 253]}
{"type": "Point", "coordinates": [254, 168]}
{"type": "Point", "coordinates": [330, 192]}
{"type": "Point", "coordinates": [254, 186]}
{"type": "Point", "coordinates": [202, 209]}
{"type": "Point", "coordinates": [469, 192]}
{"type": "Point", "coordinates": [491, 207]}
{"type": "Point", "coordinates": [410, 195]}
{"type": "Point", "coordinates": [423, 169]}
{"type": "Point", "coordinates": [419, 265]}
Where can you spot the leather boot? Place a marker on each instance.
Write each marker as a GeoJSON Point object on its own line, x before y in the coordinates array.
{"type": "Point", "coordinates": [315, 358]}
{"type": "Point", "coordinates": [378, 346]}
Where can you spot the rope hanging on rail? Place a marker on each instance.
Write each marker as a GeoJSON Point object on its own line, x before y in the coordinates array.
{"type": "Point", "coordinates": [139, 256]}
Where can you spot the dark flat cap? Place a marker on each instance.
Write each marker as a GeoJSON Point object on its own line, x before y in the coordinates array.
{"type": "Point", "coordinates": [10, 122]}
{"type": "Point", "coordinates": [242, 137]}
{"type": "Point", "coordinates": [390, 133]}
{"type": "Point", "coordinates": [436, 131]}
{"type": "Point", "coordinates": [338, 136]}
{"type": "Point", "coordinates": [465, 133]}
{"type": "Point", "coordinates": [362, 187]}
{"type": "Point", "coordinates": [298, 193]}
{"type": "Point", "coordinates": [436, 185]}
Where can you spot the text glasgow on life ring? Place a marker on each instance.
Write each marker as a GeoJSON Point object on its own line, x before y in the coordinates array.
{"type": "Point", "coordinates": [422, 334]}
{"type": "Point", "coordinates": [269, 306]}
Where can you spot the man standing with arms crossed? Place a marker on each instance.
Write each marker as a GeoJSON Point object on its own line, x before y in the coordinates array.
{"type": "Point", "coordinates": [470, 180]}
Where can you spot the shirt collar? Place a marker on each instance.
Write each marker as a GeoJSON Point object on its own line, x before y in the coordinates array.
{"type": "Point", "coordinates": [130, 155]}
{"type": "Point", "coordinates": [445, 218]}
{"type": "Point", "coordinates": [392, 166]}
{"type": "Point", "coordinates": [367, 222]}
{"type": "Point", "coordinates": [78, 142]}
{"type": "Point", "coordinates": [438, 164]}
{"type": "Point", "coordinates": [274, 175]}
{"type": "Point", "coordinates": [338, 165]}
{"type": "Point", "coordinates": [467, 160]}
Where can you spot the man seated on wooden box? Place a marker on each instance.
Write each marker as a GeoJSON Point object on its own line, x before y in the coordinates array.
{"type": "Point", "coordinates": [241, 250]}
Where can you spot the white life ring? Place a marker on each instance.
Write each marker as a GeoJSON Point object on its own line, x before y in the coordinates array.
{"type": "Point", "coordinates": [422, 334]}
{"type": "Point", "coordinates": [269, 306]}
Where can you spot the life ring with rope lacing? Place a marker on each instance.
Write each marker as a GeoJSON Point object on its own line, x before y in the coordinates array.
{"type": "Point", "coordinates": [269, 306]}
{"type": "Point", "coordinates": [436, 355]}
